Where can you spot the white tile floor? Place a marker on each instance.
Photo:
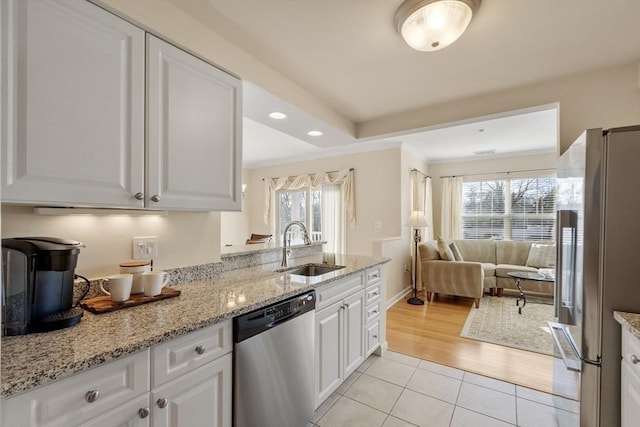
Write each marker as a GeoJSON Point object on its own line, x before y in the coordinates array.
{"type": "Point", "coordinates": [398, 390]}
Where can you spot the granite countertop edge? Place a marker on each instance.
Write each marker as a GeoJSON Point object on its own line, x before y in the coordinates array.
{"type": "Point", "coordinates": [630, 321]}
{"type": "Point", "coordinates": [21, 373]}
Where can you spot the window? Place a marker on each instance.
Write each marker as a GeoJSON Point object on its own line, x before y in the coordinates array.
{"type": "Point", "coordinates": [512, 209]}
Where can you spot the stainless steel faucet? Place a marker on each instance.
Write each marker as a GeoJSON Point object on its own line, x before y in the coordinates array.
{"type": "Point", "coordinates": [285, 250]}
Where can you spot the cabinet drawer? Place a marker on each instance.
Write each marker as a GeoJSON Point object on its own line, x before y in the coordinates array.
{"type": "Point", "coordinates": [372, 294]}
{"type": "Point", "coordinates": [373, 337]}
{"type": "Point", "coordinates": [338, 290]}
{"type": "Point", "coordinates": [631, 350]}
{"type": "Point", "coordinates": [177, 357]}
{"type": "Point", "coordinates": [374, 276]}
{"type": "Point", "coordinates": [373, 312]}
{"type": "Point", "coordinates": [66, 402]}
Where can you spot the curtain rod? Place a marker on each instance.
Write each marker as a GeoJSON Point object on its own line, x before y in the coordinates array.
{"type": "Point", "coordinates": [494, 173]}
{"type": "Point", "coordinates": [420, 172]}
{"type": "Point", "coordinates": [350, 169]}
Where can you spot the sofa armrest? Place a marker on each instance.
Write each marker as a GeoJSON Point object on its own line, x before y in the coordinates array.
{"type": "Point", "coordinates": [453, 278]}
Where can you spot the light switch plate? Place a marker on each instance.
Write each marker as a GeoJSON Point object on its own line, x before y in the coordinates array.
{"type": "Point", "coordinates": [145, 247]}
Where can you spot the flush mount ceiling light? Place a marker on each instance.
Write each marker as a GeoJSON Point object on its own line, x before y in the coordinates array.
{"type": "Point", "coordinates": [314, 133]}
{"type": "Point", "coordinates": [277, 115]}
{"type": "Point", "coordinates": [430, 25]}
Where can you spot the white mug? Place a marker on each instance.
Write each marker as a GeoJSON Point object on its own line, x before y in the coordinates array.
{"type": "Point", "coordinates": [119, 287]}
{"type": "Point", "coordinates": [153, 282]}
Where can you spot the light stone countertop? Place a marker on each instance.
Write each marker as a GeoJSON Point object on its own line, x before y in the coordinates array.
{"type": "Point", "coordinates": [37, 359]}
{"type": "Point", "coordinates": [630, 321]}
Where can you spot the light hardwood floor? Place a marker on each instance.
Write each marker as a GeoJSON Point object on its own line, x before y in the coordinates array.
{"type": "Point", "coordinates": [432, 332]}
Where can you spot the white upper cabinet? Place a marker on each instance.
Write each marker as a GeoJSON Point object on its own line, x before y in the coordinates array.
{"type": "Point", "coordinates": [74, 123]}
{"type": "Point", "coordinates": [72, 105]}
{"type": "Point", "coordinates": [193, 132]}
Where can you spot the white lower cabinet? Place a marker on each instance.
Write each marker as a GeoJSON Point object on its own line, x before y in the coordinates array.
{"type": "Point", "coordinates": [630, 379]}
{"type": "Point", "coordinates": [199, 398]}
{"type": "Point", "coordinates": [339, 337]}
{"type": "Point", "coordinates": [350, 323]}
{"type": "Point", "coordinates": [191, 388]}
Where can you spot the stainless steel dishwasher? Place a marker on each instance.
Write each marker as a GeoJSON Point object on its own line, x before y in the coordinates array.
{"type": "Point", "coordinates": [273, 364]}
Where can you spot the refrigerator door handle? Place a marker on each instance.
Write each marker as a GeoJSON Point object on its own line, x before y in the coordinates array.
{"type": "Point", "coordinates": [564, 345]}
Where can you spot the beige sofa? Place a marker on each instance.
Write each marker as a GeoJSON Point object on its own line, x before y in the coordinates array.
{"type": "Point", "coordinates": [484, 268]}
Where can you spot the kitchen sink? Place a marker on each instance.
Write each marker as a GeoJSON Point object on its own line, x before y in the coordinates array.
{"type": "Point", "coordinates": [311, 269]}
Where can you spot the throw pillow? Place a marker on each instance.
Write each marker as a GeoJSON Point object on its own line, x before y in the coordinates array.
{"type": "Point", "coordinates": [444, 250]}
{"type": "Point", "coordinates": [542, 255]}
{"type": "Point", "coordinates": [456, 251]}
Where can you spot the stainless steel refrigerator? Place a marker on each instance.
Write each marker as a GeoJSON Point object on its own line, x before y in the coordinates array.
{"type": "Point", "coordinates": [598, 263]}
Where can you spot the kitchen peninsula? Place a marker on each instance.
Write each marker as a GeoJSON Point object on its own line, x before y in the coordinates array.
{"type": "Point", "coordinates": [32, 362]}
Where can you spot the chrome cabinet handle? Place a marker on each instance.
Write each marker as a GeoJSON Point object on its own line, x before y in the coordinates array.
{"type": "Point", "coordinates": [634, 359]}
{"type": "Point", "coordinates": [143, 412]}
{"type": "Point", "coordinates": [92, 396]}
{"type": "Point", "coordinates": [162, 402]}
{"type": "Point", "coordinates": [200, 349]}
{"type": "Point", "coordinates": [139, 196]}
{"type": "Point", "coordinates": [155, 198]}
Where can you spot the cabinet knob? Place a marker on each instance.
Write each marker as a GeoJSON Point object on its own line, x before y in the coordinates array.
{"type": "Point", "coordinates": [92, 396]}
{"type": "Point", "coordinates": [155, 198]}
{"type": "Point", "coordinates": [375, 337]}
{"type": "Point", "coordinates": [200, 349]}
{"type": "Point", "coordinates": [162, 402]}
{"type": "Point", "coordinates": [144, 412]}
{"type": "Point", "coordinates": [634, 359]}
{"type": "Point", "coordinates": [139, 196]}
{"type": "Point", "coordinates": [374, 312]}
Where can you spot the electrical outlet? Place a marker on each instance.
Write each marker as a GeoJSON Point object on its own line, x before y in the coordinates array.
{"type": "Point", "coordinates": [145, 247]}
{"type": "Point", "coordinates": [377, 224]}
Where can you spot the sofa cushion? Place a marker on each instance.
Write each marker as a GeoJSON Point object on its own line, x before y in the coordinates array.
{"type": "Point", "coordinates": [456, 252]}
{"type": "Point", "coordinates": [444, 250]}
{"type": "Point", "coordinates": [489, 269]}
{"type": "Point", "coordinates": [428, 251]}
{"type": "Point", "coordinates": [512, 252]}
{"type": "Point", "coordinates": [478, 250]}
{"type": "Point", "coordinates": [503, 269]}
{"type": "Point", "coordinates": [541, 255]}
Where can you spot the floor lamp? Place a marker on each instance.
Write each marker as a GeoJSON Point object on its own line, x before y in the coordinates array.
{"type": "Point", "coordinates": [417, 221]}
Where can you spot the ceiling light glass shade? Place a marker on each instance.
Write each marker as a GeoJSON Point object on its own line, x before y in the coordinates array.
{"type": "Point", "coordinates": [430, 25]}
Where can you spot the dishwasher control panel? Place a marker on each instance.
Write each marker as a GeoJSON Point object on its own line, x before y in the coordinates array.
{"type": "Point", "coordinates": [262, 319]}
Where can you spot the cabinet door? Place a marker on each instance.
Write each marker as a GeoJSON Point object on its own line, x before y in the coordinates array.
{"type": "Point", "coordinates": [126, 415]}
{"type": "Point", "coordinates": [329, 351]}
{"type": "Point", "coordinates": [630, 396]}
{"type": "Point", "coordinates": [194, 132]}
{"type": "Point", "coordinates": [72, 122]}
{"type": "Point", "coordinates": [199, 398]}
{"type": "Point", "coordinates": [353, 332]}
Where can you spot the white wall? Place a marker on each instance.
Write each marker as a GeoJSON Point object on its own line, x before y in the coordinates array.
{"type": "Point", "coordinates": [235, 226]}
{"type": "Point", "coordinates": [184, 238]}
{"type": "Point", "coordinates": [485, 166]}
{"type": "Point", "coordinates": [377, 184]}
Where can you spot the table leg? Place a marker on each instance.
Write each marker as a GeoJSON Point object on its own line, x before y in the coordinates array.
{"type": "Point", "coordinates": [522, 296]}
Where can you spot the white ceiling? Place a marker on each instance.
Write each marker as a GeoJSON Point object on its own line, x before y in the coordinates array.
{"type": "Point", "coordinates": [348, 54]}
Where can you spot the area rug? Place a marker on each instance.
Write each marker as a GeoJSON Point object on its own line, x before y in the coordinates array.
{"type": "Point", "coordinates": [497, 321]}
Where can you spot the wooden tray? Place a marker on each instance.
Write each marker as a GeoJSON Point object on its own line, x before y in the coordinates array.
{"type": "Point", "coordinates": [103, 304]}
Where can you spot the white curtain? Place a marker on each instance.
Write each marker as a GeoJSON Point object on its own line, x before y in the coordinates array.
{"type": "Point", "coordinates": [428, 209]}
{"type": "Point", "coordinates": [451, 208]}
{"type": "Point", "coordinates": [421, 200]}
{"type": "Point", "coordinates": [346, 177]}
{"type": "Point", "coordinates": [332, 219]}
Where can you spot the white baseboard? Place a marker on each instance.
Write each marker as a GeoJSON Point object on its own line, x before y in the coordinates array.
{"type": "Point", "coordinates": [397, 297]}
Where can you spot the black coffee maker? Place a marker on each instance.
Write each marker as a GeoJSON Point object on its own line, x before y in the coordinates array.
{"type": "Point", "coordinates": [37, 284]}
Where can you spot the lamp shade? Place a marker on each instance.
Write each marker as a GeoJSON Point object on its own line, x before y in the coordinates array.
{"type": "Point", "coordinates": [417, 220]}
{"type": "Point", "coordinates": [430, 25]}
